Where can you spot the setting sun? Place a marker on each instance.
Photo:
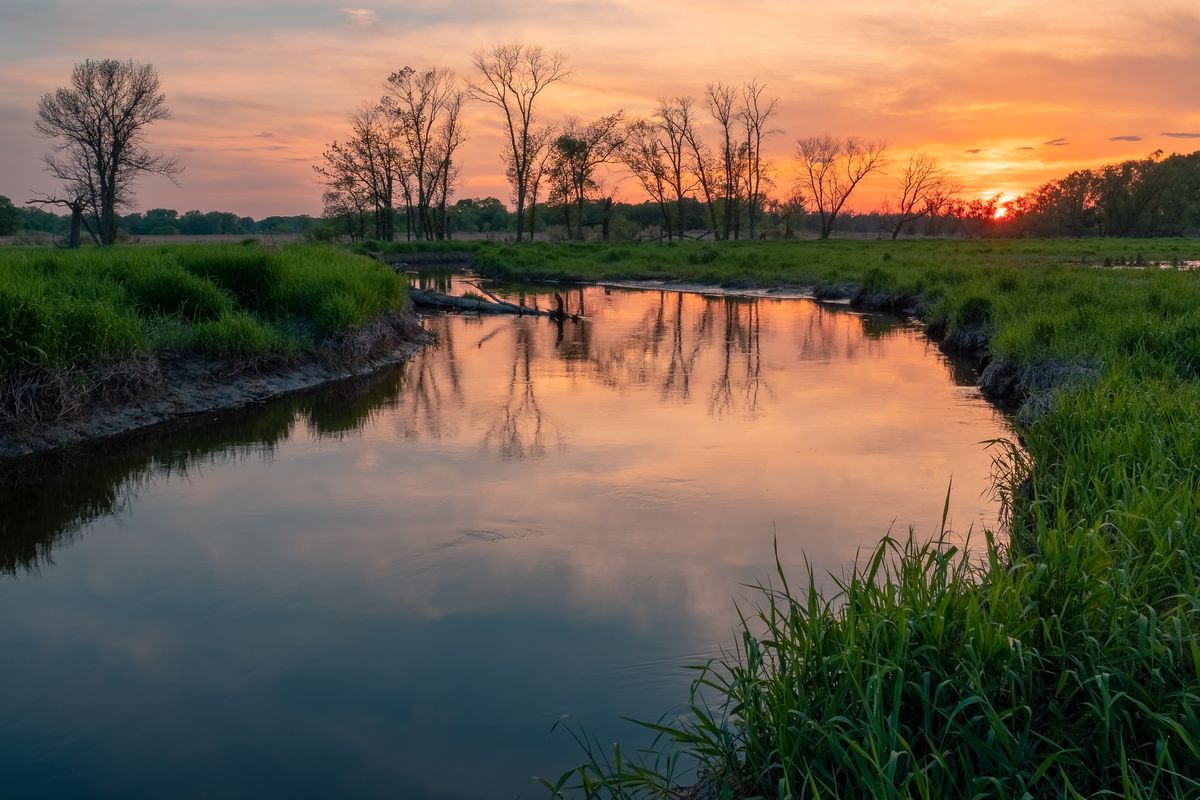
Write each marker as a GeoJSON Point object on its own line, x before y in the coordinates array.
{"type": "Point", "coordinates": [1001, 212]}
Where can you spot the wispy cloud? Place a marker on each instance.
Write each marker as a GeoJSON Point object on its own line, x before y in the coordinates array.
{"type": "Point", "coordinates": [1027, 147]}
{"type": "Point", "coordinates": [1059, 142]}
{"type": "Point", "coordinates": [360, 17]}
{"type": "Point", "coordinates": [1126, 138]}
{"type": "Point", "coordinates": [265, 135]}
{"type": "Point", "coordinates": [975, 151]}
{"type": "Point", "coordinates": [1182, 135]}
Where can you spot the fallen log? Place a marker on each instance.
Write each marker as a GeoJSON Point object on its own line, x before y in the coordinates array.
{"type": "Point", "coordinates": [447, 302]}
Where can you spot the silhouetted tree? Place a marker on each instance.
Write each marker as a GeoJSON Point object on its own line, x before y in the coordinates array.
{"type": "Point", "coordinates": [922, 191]}
{"type": "Point", "coordinates": [831, 168]}
{"type": "Point", "coordinates": [754, 116]}
{"type": "Point", "coordinates": [426, 106]}
{"type": "Point", "coordinates": [364, 171]}
{"type": "Point", "coordinates": [578, 151]}
{"type": "Point", "coordinates": [644, 155]}
{"type": "Point", "coordinates": [721, 100]}
{"type": "Point", "coordinates": [98, 127]}
{"type": "Point", "coordinates": [673, 119]}
{"type": "Point", "coordinates": [512, 77]}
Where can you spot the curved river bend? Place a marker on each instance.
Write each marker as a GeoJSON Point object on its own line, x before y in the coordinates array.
{"type": "Point", "coordinates": [394, 587]}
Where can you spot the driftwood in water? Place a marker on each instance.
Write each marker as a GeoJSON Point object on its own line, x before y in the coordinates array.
{"type": "Point", "coordinates": [429, 299]}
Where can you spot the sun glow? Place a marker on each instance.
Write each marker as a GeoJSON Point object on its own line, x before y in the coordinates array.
{"type": "Point", "coordinates": [1001, 213]}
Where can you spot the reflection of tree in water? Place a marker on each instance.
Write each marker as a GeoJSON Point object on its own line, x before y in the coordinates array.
{"type": "Point", "coordinates": [432, 281]}
{"type": "Point", "coordinates": [46, 501]}
{"type": "Point", "coordinates": [739, 385]}
{"type": "Point", "coordinates": [520, 427]}
{"type": "Point", "coordinates": [677, 382]}
{"type": "Point", "coordinates": [432, 385]}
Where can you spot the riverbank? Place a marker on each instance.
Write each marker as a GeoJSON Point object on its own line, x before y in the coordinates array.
{"type": "Point", "coordinates": [160, 390]}
{"type": "Point", "coordinates": [100, 343]}
{"type": "Point", "coordinates": [1057, 659]}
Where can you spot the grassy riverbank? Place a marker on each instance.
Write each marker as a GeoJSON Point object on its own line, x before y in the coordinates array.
{"type": "Point", "coordinates": [1067, 662]}
{"type": "Point", "coordinates": [74, 323]}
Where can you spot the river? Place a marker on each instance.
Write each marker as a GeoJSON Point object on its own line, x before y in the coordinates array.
{"type": "Point", "coordinates": [394, 587]}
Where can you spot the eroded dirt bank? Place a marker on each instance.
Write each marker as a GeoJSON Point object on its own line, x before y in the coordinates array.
{"type": "Point", "coordinates": [52, 411]}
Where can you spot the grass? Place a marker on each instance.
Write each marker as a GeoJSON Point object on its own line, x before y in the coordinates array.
{"type": "Point", "coordinates": [1059, 661]}
{"type": "Point", "coordinates": [88, 326]}
{"type": "Point", "coordinates": [61, 309]}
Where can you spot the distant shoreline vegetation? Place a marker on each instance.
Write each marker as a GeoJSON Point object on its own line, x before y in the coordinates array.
{"type": "Point", "coordinates": [1150, 198]}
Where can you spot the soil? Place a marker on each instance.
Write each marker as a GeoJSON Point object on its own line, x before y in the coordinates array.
{"type": "Point", "coordinates": [187, 387]}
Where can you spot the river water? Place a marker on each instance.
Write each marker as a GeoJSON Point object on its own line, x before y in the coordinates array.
{"type": "Point", "coordinates": [394, 587]}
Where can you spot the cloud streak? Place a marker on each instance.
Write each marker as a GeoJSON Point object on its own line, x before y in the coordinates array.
{"type": "Point", "coordinates": [360, 17]}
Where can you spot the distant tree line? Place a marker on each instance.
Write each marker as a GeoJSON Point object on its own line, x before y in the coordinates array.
{"type": "Point", "coordinates": [155, 222]}
{"type": "Point", "coordinates": [1154, 196]}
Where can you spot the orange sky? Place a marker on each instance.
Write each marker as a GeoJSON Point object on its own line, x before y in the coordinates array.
{"type": "Point", "coordinates": [1006, 93]}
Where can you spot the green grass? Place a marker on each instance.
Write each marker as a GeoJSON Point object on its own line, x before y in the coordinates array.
{"type": "Point", "coordinates": [61, 308]}
{"type": "Point", "coordinates": [1060, 660]}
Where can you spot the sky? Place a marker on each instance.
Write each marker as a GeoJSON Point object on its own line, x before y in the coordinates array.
{"type": "Point", "coordinates": [1006, 94]}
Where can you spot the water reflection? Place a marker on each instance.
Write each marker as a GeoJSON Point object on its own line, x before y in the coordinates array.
{"type": "Point", "coordinates": [518, 430]}
{"type": "Point", "coordinates": [649, 339]}
{"type": "Point", "coordinates": [44, 502]}
{"type": "Point", "coordinates": [358, 591]}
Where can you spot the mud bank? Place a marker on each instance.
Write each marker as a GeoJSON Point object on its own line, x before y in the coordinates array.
{"type": "Point", "coordinates": [155, 390]}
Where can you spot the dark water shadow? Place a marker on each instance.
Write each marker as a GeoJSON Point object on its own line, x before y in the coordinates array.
{"type": "Point", "coordinates": [45, 500]}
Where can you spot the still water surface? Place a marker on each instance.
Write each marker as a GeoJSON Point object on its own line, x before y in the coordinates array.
{"type": "Point", "coordinates": [394, 587]}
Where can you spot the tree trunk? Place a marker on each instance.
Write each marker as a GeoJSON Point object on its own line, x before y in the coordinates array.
{"type": "Point", "coordinates": [76, 226]}
{"type": "Point", "coordinates": [520, 207]}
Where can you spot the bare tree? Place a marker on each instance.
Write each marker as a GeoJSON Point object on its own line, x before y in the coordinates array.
{"type": "Point", "coordinates": [512, 77]}
{"type": "Point", "coordinates": [643, 155]}
{"type": "Point", "coordinates": [922, 191]}
{"type": "Point", "coordinates": [754, 115]}
{"type": "Point", "coordinates": [367, 167]}
{"type": "Point", "coordinates": [578, 151]}
{"type": "Point", "coordinates": [98, 126]}
{"type": "Point", "coordinates": [446, 171]}
{"type": "Point", "coordinates": [705, 167]}
{"type": "Point", "coordinates": [721, 99]}
{"type": "Point", "coordinates": [541, 152]}
{"type": "Point", "coordinates": [831, 168]}
{"type": "Point", "coordinates": [674, 122]}
{"type": "Point", "coordinates": [426, 105]}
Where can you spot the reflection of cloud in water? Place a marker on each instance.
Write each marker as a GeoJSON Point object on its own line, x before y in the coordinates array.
{"type": "Point", "coordinates": [343, 569]}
